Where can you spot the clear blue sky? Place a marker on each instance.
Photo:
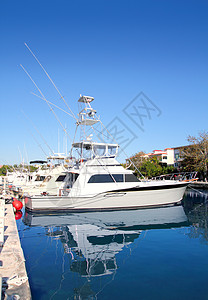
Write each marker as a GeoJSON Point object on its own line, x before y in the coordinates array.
{"type": "Point", "coordinates": [112, 50]}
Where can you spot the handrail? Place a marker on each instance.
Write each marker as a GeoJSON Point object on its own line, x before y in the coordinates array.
{"type": "Point", "coordinates": [181, 176]}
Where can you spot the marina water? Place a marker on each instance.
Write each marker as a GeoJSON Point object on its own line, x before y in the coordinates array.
{"type": "Point", "coordinates": [159, 253]}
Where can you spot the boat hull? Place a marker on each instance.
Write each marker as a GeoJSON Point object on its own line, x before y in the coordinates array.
{"type": "Point", "coordinates": [134, 198]}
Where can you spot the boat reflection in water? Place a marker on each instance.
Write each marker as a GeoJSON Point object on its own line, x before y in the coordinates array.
{"type": "Point", "coordinates": [90, 254]}
{"type": "Point", "coordinates": [94, 239]}
{"type": "Point", "coordinates": [196, 208]}
{"type": "Point", "coordinates": [170, 216]}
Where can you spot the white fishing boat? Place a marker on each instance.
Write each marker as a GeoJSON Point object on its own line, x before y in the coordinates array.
{"type": "Point", "coordinates": [97, 181]}
{"type": "Point", "coordinates": [45, 182]}
{"type": "Point", "coordinates": [17, 178]}
{"type": "Point", "coordinates": [48, 178]}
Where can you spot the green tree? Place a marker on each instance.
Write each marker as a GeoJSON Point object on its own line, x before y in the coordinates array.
{"type": "Point", "coordinates": [137, 159]}
{"type": "Point", "coordinates": [151, 167]}
{"type": "Point", "coordinates": [4, 168]}
{"type": "Point", "coordinates": [195, 156]}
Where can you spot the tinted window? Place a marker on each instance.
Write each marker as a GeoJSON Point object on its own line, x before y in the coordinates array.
{"type": "Point", "coordinates": [130, 178]}
{"type": "Point", "coordinates": [40, 178]}
{"type": "Point", "coordinates": [61, 178]}
{"type": "Point", "coordinates": [103, 178]}
{"type": "Point", "coordinates": [73, 176]}
{"type": "Point", "coordinates": [118, 177]}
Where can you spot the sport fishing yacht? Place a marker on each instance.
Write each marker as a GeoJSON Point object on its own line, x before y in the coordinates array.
{"type": "Point", "coordinates": [96, 181]}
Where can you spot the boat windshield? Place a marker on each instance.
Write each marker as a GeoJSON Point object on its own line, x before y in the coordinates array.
{"type": "Point", "coordinates": [87, 150]}
{"type": "Point", "coordinates": [112, 150]}
{"type": "Point", "coordinates": [99, 150]}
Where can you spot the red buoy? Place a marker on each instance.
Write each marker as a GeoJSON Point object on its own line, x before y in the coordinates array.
{"type": "Point", "coordinates": [18, 215]}
{"type": "Point", "coordinates": [17, 204]}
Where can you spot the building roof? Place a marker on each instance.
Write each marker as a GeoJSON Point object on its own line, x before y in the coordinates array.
{"type": "Point", "coordinates": [180, 147]}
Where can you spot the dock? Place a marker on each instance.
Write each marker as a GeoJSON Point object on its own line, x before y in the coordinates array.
{"type": "Point", "coordinates": [13, 275]}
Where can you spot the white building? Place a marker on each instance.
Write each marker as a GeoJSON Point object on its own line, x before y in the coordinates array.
{"type": "Point", "coordinates": [165, 156]}
{"type": "Point", "coordinates": [168, 156]}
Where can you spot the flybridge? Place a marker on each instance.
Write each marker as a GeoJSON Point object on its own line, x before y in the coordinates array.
{"type": "Point", "coordinates": [91, 150]}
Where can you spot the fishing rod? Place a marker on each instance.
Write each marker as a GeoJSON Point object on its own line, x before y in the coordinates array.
{"type": "Point", "coordinates": [39, 134]}
{"type": "Point", "coordinates": [50, 80]}
{"type": "Point", "coordinates": [45, 100]}
{"type": "Point", "coordinates": [52, 104]}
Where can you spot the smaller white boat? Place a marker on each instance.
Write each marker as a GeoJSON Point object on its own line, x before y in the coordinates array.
{"type": "Point", "coordinates": [48, 178]}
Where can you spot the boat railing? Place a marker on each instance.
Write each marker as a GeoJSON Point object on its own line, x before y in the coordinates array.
{"type": "Point", "coordinates": [181, 176]}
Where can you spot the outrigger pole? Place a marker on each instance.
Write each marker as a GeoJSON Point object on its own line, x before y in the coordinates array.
{"type": "Point", "coordinates": [39, 134]}
{"type": "Point", "coordinates": [46, 101]}
{"type": "Point", "coordinates": [51, 80]}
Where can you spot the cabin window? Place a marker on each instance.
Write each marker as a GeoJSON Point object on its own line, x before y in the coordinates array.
{"type": "Point", "coordinates": [61, 178]}
{"type": "Point", "coordinates": [131, 178]}
{"type": "Point", "coordinates": [118, 177]}
{"type": "Point", "coordinates": [100, 178]}
{"type": "Point", "coordinates": [48, 178]}
{"type": "Point", "coordinates": [39, 178]}
{"type": "Point", "coordinates": [72, 177]}
{"type": "Point", "coordinates": [104, 178]}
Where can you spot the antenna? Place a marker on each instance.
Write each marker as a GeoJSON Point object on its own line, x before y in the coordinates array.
{"type": "Point", "coordinates": [65, 141]}
{"type": "Point", "coordinates": [58, 142]}
{"type": "Point", "coordinates": [20, 154]}
{"type": "Point", "coordinates": [26, 154]}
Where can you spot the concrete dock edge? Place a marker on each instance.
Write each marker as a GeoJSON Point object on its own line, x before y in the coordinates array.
{"type": "Point", "coordinates": [15, 283]}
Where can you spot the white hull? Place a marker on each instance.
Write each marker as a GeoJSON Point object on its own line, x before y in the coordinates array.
{"type": "Point", "coordinates": [150, 196]}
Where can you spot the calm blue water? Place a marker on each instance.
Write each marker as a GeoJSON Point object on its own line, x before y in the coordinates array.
{"type": "Point", "coordinates": [146, 254]}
